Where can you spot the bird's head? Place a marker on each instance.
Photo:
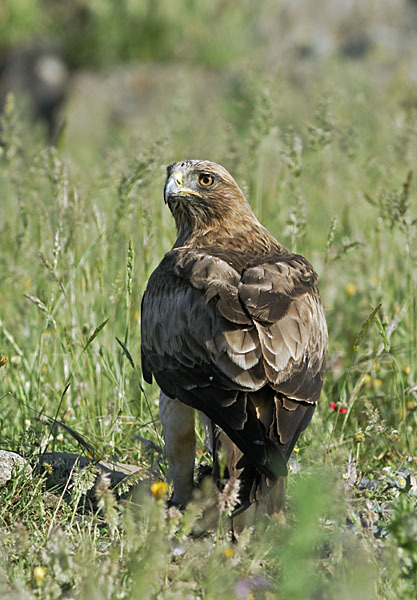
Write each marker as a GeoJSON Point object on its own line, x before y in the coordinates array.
{"type": "Point", "coordinates": [203, 195]}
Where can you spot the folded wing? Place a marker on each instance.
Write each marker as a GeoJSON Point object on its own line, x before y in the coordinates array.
{"type": "Point", "coordinates": [244, 343]}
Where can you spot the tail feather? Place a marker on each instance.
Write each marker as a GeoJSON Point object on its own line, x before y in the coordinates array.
{"type": "Point", "coordinates": [264, 484]}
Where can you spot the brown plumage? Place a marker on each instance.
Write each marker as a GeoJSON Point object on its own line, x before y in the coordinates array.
{"type": "Point", "coordinates": [232, 325]}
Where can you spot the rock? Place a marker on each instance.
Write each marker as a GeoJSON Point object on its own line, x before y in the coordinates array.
{"type": "Point", "coordinates": [62, 465]}
{"type": "Point", "coordinates": [10, 464]}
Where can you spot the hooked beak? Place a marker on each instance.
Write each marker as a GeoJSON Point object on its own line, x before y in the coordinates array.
{"type": "Point", "coordinates": [174, 187]}
{"type": "Point", "coordinates": [171, 188]}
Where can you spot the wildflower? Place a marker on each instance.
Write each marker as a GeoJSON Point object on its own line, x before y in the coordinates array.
{"type": "Point", "coordinates": [39, 574]}
{"type": "Point", "coordinates": [296, 450]}
{"type": "Point", "coordinates": [174, 513]}
{"type": "Point", "coordinates": [377, 383]}
{"type": "Point", "coordinates": [48, 468]}
{"type": "Point", "coordinates": [401, 482]}
{"type": "Point", "coordinates": [229, 496]}
{"type": "Point", "coordinates": [351, 289]}
{"type": "Point", "coordinates": [245, 588]}
{"type": "Point", "coordinates": [407, 370]}
{"type": "Point", "coordinates": [367, 380]}
{"type": "Point", "coordinates": [27, 424]}
{"type": "Point", "coordinates": [159, 489]}
{"type": "Point", "coordinates": [228, 552]}
{"type": "Point", "coordinates": [342, 410]}
{"type": "Point", "coordinates": [3, 360]}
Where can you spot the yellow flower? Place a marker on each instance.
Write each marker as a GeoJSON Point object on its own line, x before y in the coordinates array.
{"type": "Point", "coordinates": [367, 380]}
{"type": "Point", "coordinates": [3, 360]}
{"type": "Point", "coordinates": [48, 468]}
{"type": "Point", "coordinates": [407, 370]}
{"type": "Point", "coordinates": [39, 574]}
{"type": "Point", "coordinates": [350, 289]}
{"type": "Point", "coordinates": [377, 383]}
{"type": "Point", "coordinates": [159, 489]}
{"type": "Point", "coordinates": [401, 482]}
{"type": "Point", "coordinates": [296, 449]}
{"type": "Point", "coordinates": [228, 552]}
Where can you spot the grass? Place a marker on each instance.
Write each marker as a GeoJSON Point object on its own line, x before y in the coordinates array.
{"type": "Point", "coordinates": [329, 168]}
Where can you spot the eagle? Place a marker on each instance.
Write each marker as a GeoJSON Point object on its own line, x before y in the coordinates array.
{"type": "Point", "coordinates": [233, 328]}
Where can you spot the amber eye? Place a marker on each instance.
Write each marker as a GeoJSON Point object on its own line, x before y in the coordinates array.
{"type": "Point", "coordinates": [206, 180]}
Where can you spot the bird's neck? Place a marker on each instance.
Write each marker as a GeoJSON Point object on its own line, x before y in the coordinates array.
{"type": "Point", "coordinates": [227, 233]}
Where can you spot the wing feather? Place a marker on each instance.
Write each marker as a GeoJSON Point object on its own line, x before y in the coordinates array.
{"type": "Point", "coordinates": [227, 332]}
{"type": "Point", "coordinates": [288, 315]}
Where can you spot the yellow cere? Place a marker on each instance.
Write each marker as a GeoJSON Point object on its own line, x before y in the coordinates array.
{"type": "Point", "coordinates": [179, 177]}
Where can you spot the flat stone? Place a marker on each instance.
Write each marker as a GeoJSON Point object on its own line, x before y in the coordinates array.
{"type": "Point", "coordinates": [10, 464]}
{"type": "Point", "coordinates": [63, 464]}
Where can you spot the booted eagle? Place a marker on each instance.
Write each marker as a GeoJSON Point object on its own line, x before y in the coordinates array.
{"type": "Point", "coordinates": [233, 327]}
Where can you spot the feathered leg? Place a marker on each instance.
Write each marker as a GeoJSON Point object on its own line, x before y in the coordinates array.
{"type": "Point", "coordinates": [178, 427]}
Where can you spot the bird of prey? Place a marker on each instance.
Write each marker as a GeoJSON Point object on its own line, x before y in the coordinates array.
{"type": "Point", "coordinates": [233, 327]}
